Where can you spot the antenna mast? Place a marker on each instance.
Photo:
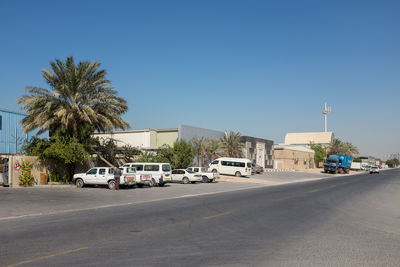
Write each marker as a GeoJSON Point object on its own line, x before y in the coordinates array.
{"type": "Point", "coordinates": [326, 110]}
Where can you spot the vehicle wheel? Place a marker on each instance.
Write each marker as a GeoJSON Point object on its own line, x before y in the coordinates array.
{"type": "Point", "coordinates": [140, 185]}
{"type": "Point", "coordinates": [111, 184]}
{"type": "Point", "coordinates": [161, 184]}
{"type": "Point", "coordinates": [185, 180]}
{"type": "Point", "coordinates": [205, 179]}
{"type": "Point", "coordinates": [210, 180]}
{"type": "Point", "coordinates": [238, 174]}
{"type": "Point", "coordinates": [79, 183]}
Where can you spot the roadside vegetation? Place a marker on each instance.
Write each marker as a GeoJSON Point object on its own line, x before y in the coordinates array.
{"type": "Point", "coordinates": [335, 147]}
{"type": "Point", "coordinates": [79, 102]}
{"type": "Point", "coordinates": [393, 163]}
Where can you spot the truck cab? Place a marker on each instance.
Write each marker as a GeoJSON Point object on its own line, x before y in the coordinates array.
{"type": "Point", "coordinates": [338, 163]}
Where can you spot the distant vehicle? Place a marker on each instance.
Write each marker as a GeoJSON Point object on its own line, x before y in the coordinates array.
{"type": "Point", "coordinates": [253, 169]}
{"type": "Point", "coordinates": [356, 166]}
{"type": "Point", "coordinates": [185, 176]}
{"type": "Point", "coordinates": [105, 176]}
{"type": "Point", "coordinates": [260, 169]}
{"type": "Point", "coordinates": [207, 177]}
{"type": "Point", "coordinates": [337, 163]}
{"type": "Point", "coordinates": [160, 172]}
{"type": "Point", "coordinates": [374, 169]}
{"type": "Point", "coordinates": [231, 166]}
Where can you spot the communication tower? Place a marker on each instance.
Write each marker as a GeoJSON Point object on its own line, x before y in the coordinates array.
{"type": "Point", "coordinates": [326, 110]}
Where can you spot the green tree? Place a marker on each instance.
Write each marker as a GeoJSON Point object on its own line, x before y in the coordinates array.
{"type": "Point", "coordinates": [320, 153]}
{"type": "Point", "coordinates": [130, 152]}
{"type": "Point", "coordinates": [182, 154]}
{"type": "Point", "coordinates": [199, 148]}
{"type": "Point", "coordinates": [147, 156]}
{"type": "Point", "coordinates": [357, 160]}
{"type": "Point", "coordinates": [80, 96]}
{"type": "Point", "coordinates": [338, 147]}
{"type": "Point", "coordinates": [232, 145]}
{"type": "Point", "coordinates": [213, 148]}
{"type": "Point", "coordinates": [107, 148]}
{"type": "Point", "coordinates": [392, 163]}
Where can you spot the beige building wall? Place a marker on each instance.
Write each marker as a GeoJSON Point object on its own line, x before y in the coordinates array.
{"type": "Point", "coordinates": [143, 139]}
{"type": "Point", "coordinates": [323, 138]}
{"type": "Point", "coordinates": [293, 159]}
{"type": "Point", "coordinates": [14, 172]}
{"type": "Point", "coordinates": [164, 137]}
{"type": "Point", "coordinates": [139, 138]}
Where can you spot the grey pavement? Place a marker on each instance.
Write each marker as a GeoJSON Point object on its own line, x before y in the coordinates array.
{"type": "Point", "coordinates": [17, 202]}
{"type": "Point", "coordinates": [343, 221]}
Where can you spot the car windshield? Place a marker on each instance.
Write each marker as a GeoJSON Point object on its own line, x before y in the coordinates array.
{"type": "Point", "coordinates": [331, 160]}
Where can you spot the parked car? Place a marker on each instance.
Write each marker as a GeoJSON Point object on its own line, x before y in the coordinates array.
{"type": "Point", "coordinates": [231, 166]}
{"type": "Point", "coordinates": [374, 169]}
{"type": "Point", "coordinates": [105, 176]}
{"type": "Point", "coordinates": [152, 173]}
{"type": "Point", "coordinates": [259, 169]}
{"type": "Point", "coordinates": [185, 176]}
{"type": "Point", "coordinates": [207, 177]}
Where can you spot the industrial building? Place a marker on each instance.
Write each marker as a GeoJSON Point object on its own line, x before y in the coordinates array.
{"type": "Point", "coordinates": [294, 157]}
{"type": "Point", "coordinates": [258, 150]}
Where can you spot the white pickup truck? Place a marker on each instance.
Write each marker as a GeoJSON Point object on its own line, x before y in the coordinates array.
{"type": "Point", "coordinates": [207, 177]}
{"type": "Point", "coordinates": [105, 176]}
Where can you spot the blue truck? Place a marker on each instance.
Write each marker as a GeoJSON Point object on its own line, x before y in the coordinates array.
{"type": "Point", "coordinates": [338, 163]}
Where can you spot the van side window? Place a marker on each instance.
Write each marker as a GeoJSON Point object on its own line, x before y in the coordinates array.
{"type": "Point", "coordinates": [248, 165]}
{"type": "Point", "coordinates": [152, 168]}
{"type": "Point", "coordinates": [111, 171]}
{"type": "Point", "coordinates": [181, 171]}
{"type": "Point", "coordinates": [214, 162]}
{"type": "Point", "coordinates": [224, 163]}
{"type": "Point", "coordinates": [138, 167]}
{"type": "Point", "coordinates": [102, 171]}
{"type": "Point", "coordinates": [196, 169]}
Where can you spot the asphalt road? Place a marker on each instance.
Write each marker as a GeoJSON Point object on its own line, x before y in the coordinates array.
{"type": "Point", "coordinates": [343, 221]}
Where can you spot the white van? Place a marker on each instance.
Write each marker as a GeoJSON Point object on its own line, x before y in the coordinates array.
{"type": "Point", "coordinates": [160, 173]}
{"type": "Point", "coordinates": [231, 166]}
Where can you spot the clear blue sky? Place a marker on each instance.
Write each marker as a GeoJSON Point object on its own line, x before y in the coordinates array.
{"type": "Point", "coordinates": [259, 67]}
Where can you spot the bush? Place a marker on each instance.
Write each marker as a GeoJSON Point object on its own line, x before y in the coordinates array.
{"type": "Point", "coordinates": [65, 178]}
{"type": "Point", "coordinates": [26, 178]}
{"type": "Point", "coordinates": [54, 177]}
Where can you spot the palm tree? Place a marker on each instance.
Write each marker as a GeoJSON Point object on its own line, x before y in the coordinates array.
{"type": "Point", "coordinates": [79, 95]}
{"type": "Point", "coordinates": [199, 148]}
{"type": "Point", "coordinates": [212, 148]}
{"type": "Point", "coordinates": [232, 144]}
{"type": "Point", "coordinates": [335, 147]}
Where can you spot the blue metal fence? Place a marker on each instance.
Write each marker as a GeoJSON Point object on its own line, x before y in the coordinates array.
{"type": "Point", "coordinates": [11, 135]}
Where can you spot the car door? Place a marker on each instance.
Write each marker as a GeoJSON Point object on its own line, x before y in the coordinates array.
{"type": "Point", "coordinates": [90, 177]}
{"type": "Point", "coordinates": [101, 177]}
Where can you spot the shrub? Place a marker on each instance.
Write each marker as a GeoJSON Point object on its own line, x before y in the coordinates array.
{"type": "Point", "coordinates": [65, 178]}
{"type": "Point", "coordinates": [54, 177]}
{"type": "Point", "coordinates": [26, 178]}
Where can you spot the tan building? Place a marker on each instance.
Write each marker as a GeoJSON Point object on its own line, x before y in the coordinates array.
{"type": "Point", "coordinates": [293, 157]}
{"type": "Point", "coordinates": [147, 139]}
{"type": "Point", "coordinates": [323, 138]}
